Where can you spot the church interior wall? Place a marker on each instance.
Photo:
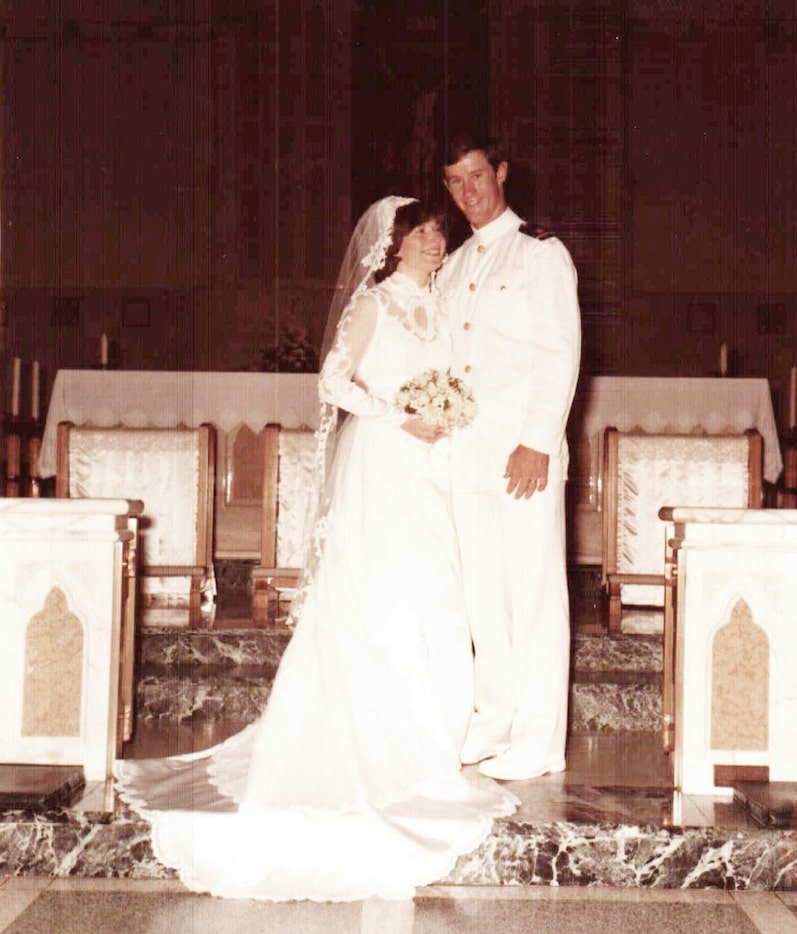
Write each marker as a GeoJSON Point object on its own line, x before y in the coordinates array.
{"type": "Point", "coordinates": [183, 177]}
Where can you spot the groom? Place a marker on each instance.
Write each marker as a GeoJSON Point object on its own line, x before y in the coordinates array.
{"type": "Point", "coordinates": [512, 307]}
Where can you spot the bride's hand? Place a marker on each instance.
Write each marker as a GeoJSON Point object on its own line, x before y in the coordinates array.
{"type": "Point", "coordinates": [423, 430]}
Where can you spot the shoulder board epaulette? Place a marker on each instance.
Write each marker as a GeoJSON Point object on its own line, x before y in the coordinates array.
{"type": "Point", "coordinates": [535, 231]}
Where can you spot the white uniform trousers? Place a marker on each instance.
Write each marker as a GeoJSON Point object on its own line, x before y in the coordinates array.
{"type": "Point", "coordinates": [514, 569]}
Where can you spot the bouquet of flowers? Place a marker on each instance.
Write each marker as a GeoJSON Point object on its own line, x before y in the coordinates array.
{"type": "Point", "coordinates": [438, 398]}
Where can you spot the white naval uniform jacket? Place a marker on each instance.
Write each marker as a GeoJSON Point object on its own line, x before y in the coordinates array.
{"type": "Point", "coordinates": [511, 303]}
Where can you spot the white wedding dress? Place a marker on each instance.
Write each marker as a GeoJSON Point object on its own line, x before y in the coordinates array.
{"type": "Point", "coordinates": [349, 785]}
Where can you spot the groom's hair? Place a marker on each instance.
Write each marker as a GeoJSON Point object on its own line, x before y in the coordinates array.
{"type": "Point", "coordinates": [407, 218]}
{"type": "Point", "coordinates": [465, 141]}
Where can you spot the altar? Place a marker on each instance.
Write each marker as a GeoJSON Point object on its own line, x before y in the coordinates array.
{"type": "Point", "coordinates": [165, 399]}
{"type": "Point", "coordinates": [239, 405]}
{"type": "Point", "coordinates": [661, 405]}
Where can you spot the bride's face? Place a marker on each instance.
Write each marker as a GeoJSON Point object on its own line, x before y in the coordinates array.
{"type": "Point", "coordinates": [422, 250]}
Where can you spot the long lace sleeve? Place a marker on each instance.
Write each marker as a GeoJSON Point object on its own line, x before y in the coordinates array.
{"type": "Point", "coordinates": [336, 383]}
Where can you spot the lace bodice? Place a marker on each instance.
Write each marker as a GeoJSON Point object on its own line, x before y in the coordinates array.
{"type": "Point", "coordinates": [389, 334]}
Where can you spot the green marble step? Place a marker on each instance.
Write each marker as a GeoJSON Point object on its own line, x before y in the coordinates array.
{"type": "Point", "coordinates": [516, 853]}
{"type": "Point", "coordinates": [227, 674]}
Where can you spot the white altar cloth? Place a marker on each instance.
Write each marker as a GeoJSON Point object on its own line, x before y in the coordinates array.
{"type": "Point", "coordinates": [680, 405]}
{"type": "Point", "coordinates": [666, 405]}
{"type": "Point", "coordinates": [137, 398]}
{"type": "Point", "coordinates": [164, 399]}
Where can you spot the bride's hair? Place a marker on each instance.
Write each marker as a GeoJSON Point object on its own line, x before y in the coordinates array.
{"type": "Point", "coordinates": [407, 218]}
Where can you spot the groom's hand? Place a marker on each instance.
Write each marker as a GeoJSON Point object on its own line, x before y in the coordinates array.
{"type": "Point", "coordinates": [526, 471]}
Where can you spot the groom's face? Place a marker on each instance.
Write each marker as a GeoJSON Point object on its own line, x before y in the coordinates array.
{"type": "Point", "coordinates": [476, 187]}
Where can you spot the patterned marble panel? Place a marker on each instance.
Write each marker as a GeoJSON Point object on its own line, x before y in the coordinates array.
{"type": "Point", "coordinates": [64, 844]}
{"type": "Point", "coordinates": [226, 674]}
{"type": "Point", "coordinates": [617, 653]}
{"type": "Point", "coordinates": [53, 670]}
{"type": "Point", "coordinates": [174, 700]}
{"type": "Point", "coordinates": [740, 683]}
{"type": "Point", "coordinates": [630, 856]}
{"type": "Point", "coordinates": [604, 706]}
{"type": "Point", "coordinates": [516, 853]}
{"type": "Point", "coordinates": [161, 649]}
{"type": "Point", "coordinates": [241, 695]}
{"type": "Point", "coordinates": [164, 651]}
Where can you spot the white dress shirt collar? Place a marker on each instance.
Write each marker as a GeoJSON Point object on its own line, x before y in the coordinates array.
{"type": "Point", "coordinates": [503, 224]}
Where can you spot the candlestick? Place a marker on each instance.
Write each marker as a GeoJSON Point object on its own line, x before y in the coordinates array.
{"type": "Point", "coordinates": [34, 391]}
{"type": "Point", "coordinates": [34, 451]}
{"type": "Point", "coordinates": [724, 360]}
{"type": "Point", "coordinates": [793, 397]}
{"type": "Point", "coordinates": [16, 368]}
{"type": "Point", "coordinates": [13, 464]}
{"type": "Point", "coordinates": [104, 350]}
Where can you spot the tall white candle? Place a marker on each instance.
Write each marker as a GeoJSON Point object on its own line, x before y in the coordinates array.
{"type": "Point", "coordinates": [723, 359]}
{"type": "Point", "coordinates": [793, 397]}
{"type": "Point", "coordinates": [34, 391]}
{"type": "Point", "coordinates": [16, 373]}
{"type": "Point", "coordinates": [104, 349]}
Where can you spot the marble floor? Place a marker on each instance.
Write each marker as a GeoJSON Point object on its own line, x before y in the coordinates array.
{"type": "Point", "coordinates": [613, 778]}
{"type": "Point", "coordinates": [76, 906]}
{"type": "Point", "coordinates": [609, 831]}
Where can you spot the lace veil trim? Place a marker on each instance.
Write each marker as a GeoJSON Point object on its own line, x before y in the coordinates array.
{"type": "Point", "coordinates": [364, 257]}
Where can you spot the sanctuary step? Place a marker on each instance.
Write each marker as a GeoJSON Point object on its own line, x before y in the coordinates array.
{"type": "Point", "coordinates": [226, 674]}
{"type": "Point", "coordinates": [611, 819]}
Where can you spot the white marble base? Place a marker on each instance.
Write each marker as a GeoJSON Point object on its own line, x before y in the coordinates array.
{"type": "Point", "coordinates": [61, 605]}
{"type": "Point", "coordinates": [736, 646]}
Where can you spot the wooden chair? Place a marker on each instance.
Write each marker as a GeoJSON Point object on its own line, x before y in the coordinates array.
{"type": "Point", "coordinates": [643, 473]}
{"type": "Point", "coordinates": [288, 457]}
{"type": "Point", "coordinates": [172, 471]}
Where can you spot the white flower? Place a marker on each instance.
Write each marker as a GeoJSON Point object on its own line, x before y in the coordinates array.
{"type": "Point", "coordinates": [438, 398]}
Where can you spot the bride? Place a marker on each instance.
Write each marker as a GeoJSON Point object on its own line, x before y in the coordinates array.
{"type": "Point", "coordinates": [350, 785]}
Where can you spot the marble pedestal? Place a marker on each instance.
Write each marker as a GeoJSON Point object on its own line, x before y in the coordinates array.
{"type": "Point", "coordinates": [735, 647]}
{"type": "Point", "coordinates": [62, 599]}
